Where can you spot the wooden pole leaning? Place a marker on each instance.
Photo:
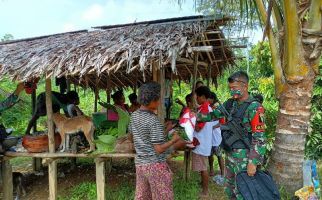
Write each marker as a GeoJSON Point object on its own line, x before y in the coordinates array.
{"type": "Point", "coordinates": [52, 165]}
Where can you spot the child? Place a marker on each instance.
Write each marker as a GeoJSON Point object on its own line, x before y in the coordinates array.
{"type": "Point", "coordinates": [72, 108]}
{"type": "Point", "coordinates": [188, 104]}
{"type": "Point", "coordinates": [203, 133]}
{"type": "Point", "coordinates": [134, 102]}
{"type": "Point", "coordinates": [216, 140]}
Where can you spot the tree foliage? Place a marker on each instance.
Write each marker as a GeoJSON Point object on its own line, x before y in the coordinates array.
{"type": "Point", "coordinates": [7, 37]}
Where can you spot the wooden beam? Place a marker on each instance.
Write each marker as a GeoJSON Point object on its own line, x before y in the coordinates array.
{"type": "Point", "coordinates": [100, 178]}
{"type": "Point", "coordinates": [224, 39]}
{"type": "Point", "coordinates": [212, 48]}
{"type": "Point", "coordinates": [7, 179]}
{"type": "Point", "coordinates": [10, 154]}
{"type": "Point", "coordinates": [191, 62]}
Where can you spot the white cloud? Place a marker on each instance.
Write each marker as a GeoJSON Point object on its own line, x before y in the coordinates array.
{"type": "Point", "coordinates": [69, 27]}
{"type": "Point", "coordinates": [94, 12]}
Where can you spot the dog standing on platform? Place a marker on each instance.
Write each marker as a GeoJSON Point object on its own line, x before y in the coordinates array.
{"type": "Point", "coordinates": [67, 126]}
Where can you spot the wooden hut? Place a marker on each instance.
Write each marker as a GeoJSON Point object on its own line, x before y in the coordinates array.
{"type": "Point", "coordinates": [107, 57]}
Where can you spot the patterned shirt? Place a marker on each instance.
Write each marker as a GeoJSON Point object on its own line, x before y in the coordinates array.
{"type": "Point", "coordinates": [147, 131]}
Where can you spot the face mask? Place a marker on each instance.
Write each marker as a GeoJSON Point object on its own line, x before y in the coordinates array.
{"type": "Point", "coordinates": [236, 93]}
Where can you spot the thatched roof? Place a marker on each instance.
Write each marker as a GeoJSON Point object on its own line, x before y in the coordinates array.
{"type": "Point", "coordinates": [125, 53]}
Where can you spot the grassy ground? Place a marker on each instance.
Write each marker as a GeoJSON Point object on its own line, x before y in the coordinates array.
{"type": "Point", "coordinates": [80, 185]}
{"type": "Point", "coordinates": [124, 189]}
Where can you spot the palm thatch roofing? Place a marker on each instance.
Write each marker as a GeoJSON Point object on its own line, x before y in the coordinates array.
{"type": "Point", "coordinates": [123, 54]}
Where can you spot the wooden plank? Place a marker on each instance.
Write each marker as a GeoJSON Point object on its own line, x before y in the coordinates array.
{"type": "Point", "coordinates": [10, 154]}
{"type": "Point", "coordinates": [100, 178]}
{"type": "Point", "coordinates": [52, 178]}
{"type": "Point", "coordinates": [51, 139]}
{"type": "Point", "coordinates": [7, 179]}
{"type": "Point", "coordinates": [212, 48]}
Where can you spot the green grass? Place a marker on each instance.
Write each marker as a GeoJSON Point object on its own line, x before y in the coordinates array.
{"type": "Point", "coordinates": [124, 190]}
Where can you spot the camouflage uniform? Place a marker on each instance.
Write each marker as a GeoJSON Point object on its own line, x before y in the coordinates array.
{"type": "Point", "coordinates": [237, 159]}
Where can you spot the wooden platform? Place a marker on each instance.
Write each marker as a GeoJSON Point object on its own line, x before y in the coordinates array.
{"type": "Point", "coordinates": [101, 160]}
{"type": "Point", "coordinates": [9, 154]}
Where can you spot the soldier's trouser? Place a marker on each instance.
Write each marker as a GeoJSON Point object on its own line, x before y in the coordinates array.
{"type": "Point", "coordinates": [235, 162]}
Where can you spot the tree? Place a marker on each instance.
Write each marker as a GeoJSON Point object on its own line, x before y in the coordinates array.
{"type": "Point", "coordinates": [6, 37]}
{"type": "Point", "coordinates": [293, 29]}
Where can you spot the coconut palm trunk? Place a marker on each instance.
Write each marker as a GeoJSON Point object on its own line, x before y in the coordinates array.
{"type": "Point", "coordinates": [296, 50]}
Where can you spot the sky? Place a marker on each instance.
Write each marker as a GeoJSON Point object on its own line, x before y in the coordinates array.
{"type": "Point", "coordinates": [29, 18]}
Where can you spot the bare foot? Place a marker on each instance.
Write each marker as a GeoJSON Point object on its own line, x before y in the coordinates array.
{"type": "Point", "coordinates": [211, 173]}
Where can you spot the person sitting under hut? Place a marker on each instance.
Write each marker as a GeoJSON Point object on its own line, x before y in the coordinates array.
{"type": "Point", "coordinates": [10, 101]}
{"type": "Point", "coordinates": [58, 101]}
{"type": "Point", "coordinates": [119, 100]}
{"type": "Point", "coordinates": [72, 108]}
{"type": "Point", "coordinates": [134, 102]}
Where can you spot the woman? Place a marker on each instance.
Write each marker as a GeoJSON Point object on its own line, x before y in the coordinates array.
{"type": "Point", "coordinates": [153, 175]}
{"type": "Point", "coordinates": [119, 101]}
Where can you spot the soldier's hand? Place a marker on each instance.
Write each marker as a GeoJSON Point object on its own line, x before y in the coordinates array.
{"type": "Point", "coordinates": [251, 169]}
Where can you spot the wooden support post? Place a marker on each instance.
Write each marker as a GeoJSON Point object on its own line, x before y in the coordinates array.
{"type": "Point", "coordinates": [52, 166]}
{"type": "Point", "coordinates": [95, 99]}
{"type": "Point", "coordinates": [187, 163]}
{"type": "Point", "coordinates": [100, 178]}
{"type": "Point", "coordinates": [52, 178]}
{"type": "Point", "coordinates": [161, 81]}
{"type": "Point", "coordinates": [68, 84]}
{"type": "Point", "coordinates": [34, 102]}
{"type": "Point", "coordinates": [36, 162]}
{"type": "Point", "coordinates": [108, 90]}
{"type": "Point", "coordinates": [209, 75]}
{"type": "Point", "coordinates": [195, 70]}
{"type": "Point", "coordinates": [158, 76]}
{"type": "Point", "coordinates": [7, 179]}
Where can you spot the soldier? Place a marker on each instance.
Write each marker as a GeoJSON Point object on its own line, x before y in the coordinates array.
{"type": "Point", "coordinates": [245, 150]}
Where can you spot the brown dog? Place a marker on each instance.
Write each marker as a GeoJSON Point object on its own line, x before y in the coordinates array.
{"type": "Point", "coordinates": [73, 125]}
